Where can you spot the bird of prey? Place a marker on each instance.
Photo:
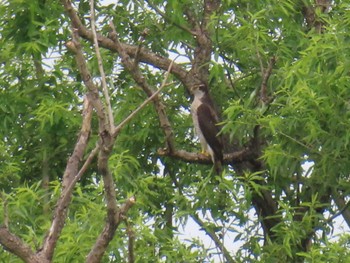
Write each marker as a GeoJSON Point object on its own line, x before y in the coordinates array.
{"type": "Point", "coordinates": [205, 122]}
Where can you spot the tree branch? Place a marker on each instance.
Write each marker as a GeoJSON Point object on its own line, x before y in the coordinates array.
{"type": "Point", "coordinates": [68, 184]}
{"type": "Point", "coordinates": [131, 243]}
{"type": "Point", "coordinates": [145, 56]}
{"type": "Point", "coordinates": [264, 98]}
{"type": "Point", "coordinates": [342, 206]}
{"type": "Point", "coordinates": [214, 237]}
{"type": "Point", "coordinates": [16, 246]}
{"type": "Point", "coordinates": [100, 246]}
{"type": "Point", "coordinates": [141, 81]}
{"type": "Point", "coordinates": [93, 93]}
{"type": "Point", "coordinates": [100, 67]}
{"type": "Point", "coordinates": [106, 143]}
{"type": "Point", "coordinates": [127, 119]}
{"type": "Point", "coordinates": [310, 14]}
{"type": "Point", "coordinates": [203, 50]}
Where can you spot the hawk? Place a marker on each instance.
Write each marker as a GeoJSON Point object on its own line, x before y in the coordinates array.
{"type": "Point", "coordinates": [205, 122]}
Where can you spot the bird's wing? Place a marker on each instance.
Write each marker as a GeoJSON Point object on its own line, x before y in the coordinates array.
{"type": "Point", "coordinates": [207, 123]}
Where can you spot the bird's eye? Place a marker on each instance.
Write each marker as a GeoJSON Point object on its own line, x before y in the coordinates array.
{"type": "Point", "coordinates": [201, 87]}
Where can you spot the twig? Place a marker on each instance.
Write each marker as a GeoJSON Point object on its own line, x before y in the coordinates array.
{"type": "Point", "coordinates": [100, 67]}
{"type": "Point", "coordinates": [83, 169]}
{"type": "Point", "coordinates": [219, 244]}
{"type": "Point", "coordinates": [214, 237]}
{"type": "Point", "coordinates": [141, 81]}
{"type": "Point", "coordinates": [127, 119]}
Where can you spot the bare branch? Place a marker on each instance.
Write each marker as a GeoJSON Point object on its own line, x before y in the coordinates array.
{"type": "Point", "coordinates": [68, 183]}
{"type": "Point", "coordinates": [106, 143]}
{"type": "Point", "coordinates": [237, 157]}
{"type": "Point", "coordinates": [127, 119]}
{"type": "Point", "coordinates": [93, 93]}
{"type": "Point", "coordinates": [100, 246]}
{"type": "Point", "coordinates": [214, 237]}
{"type": "Point", "coordinates": [16, 246]}
{"type": "Point", "coordinates": [100, 67]}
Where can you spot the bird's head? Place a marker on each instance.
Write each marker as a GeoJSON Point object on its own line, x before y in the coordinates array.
{"type": "Point", "coordinates": [199, 90]}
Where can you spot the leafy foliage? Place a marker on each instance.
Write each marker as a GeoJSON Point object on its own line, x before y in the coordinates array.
{"type": "Point", "coordinates": [304, 128]}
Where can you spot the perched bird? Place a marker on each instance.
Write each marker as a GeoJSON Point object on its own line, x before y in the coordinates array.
{"type": "Point", "coordinates": [205, 122]}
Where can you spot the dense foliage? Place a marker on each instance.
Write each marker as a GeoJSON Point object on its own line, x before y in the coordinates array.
{"type": "Point", "coordinates": [279, 73]}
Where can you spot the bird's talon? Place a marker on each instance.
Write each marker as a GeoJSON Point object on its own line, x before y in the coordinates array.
{"type": "Point", "coordinates": [204, 153]}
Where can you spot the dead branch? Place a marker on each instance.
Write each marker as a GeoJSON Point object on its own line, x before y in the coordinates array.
{"type": "Point", "coordinates": [233, 158]}
{"type": "Point", "coordinates": [100, 67]}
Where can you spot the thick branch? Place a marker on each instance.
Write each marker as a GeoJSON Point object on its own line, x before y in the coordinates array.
{"type": "Point", "coordinates": [266, 209]}
{"type": "Point", "coordinates": [68, 180]}
{"type": "Point", "coordinates": [107, 234]}
{"type": "Point", "coordinates": [93, 93]}
{"type": "Point", "coordinates": [203, 50]}
{"type": "Point", "coordinates": [16, 246]}
{"type": "Point", "coordinates": [238, 157]}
